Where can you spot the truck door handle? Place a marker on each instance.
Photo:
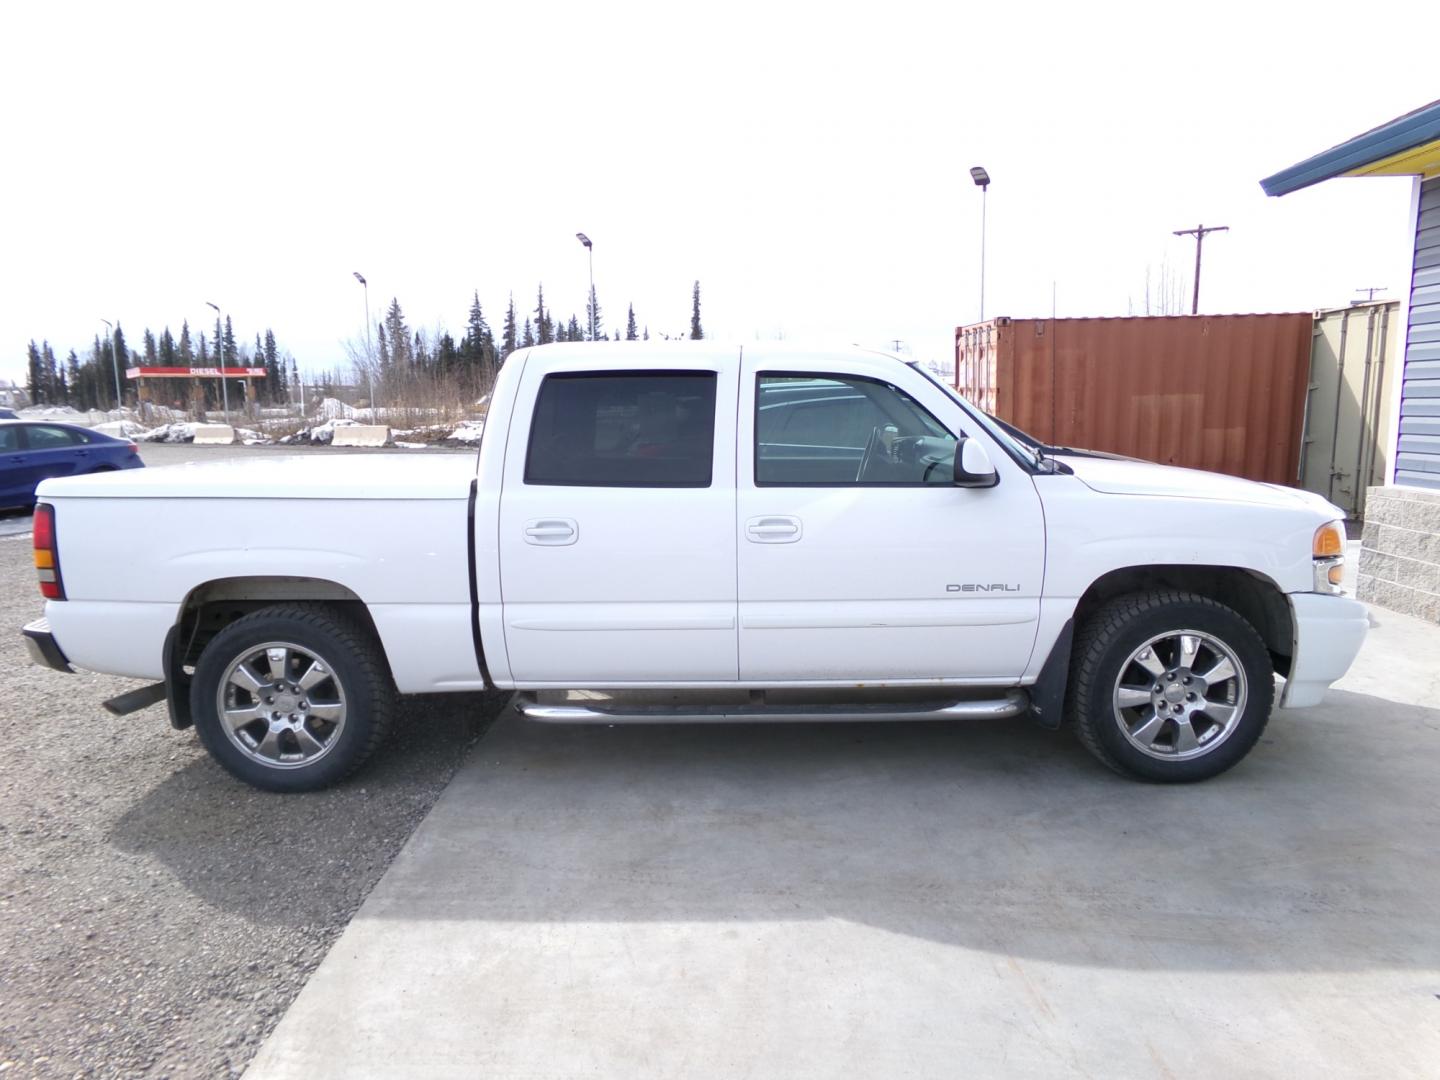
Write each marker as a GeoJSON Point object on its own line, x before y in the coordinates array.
{"type": "Point", "coordinates": [773, 530]}
{"type": "Point", "coordinates": [551, 532]}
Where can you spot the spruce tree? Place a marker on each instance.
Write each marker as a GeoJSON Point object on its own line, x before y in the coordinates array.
{"type": "Point", "coordinates": [529, 338]}
{"type": "Point", "coordinates": [447, 357]}
{"type": "Point", "coordinates": [151, 353]}
{"type": "Point", "coordinates": [167, 353]}
{"type": "Point", "coordinates": [187, 350]}
{"type": "Point", "coordinates": [631, 331]}
{"type": "Point", "coordinates": [576, 334]}
{"type": "Point", "coordinates": [402, 354]}
{"type": "Point", "coordinates": [476, 352]}
{"type": "Point", "coordinates": [34, 374]}
{"type": "Point", "coordinates": [51, 374]}
{"type": "Point", "coordinates": [592, 312]}
{"type": "Point", "coordinates": [507, 339]}
{"type": "Point", "coordinates": [544, 325]}
{"type": "Point", "coordinates": [383, 352]}
{"type": "Point", "coordinates": [274, 370]}
{"type": "Point", "coordinates": [72, 372]}
{"type": "Point", "coordinates": [696, 333]}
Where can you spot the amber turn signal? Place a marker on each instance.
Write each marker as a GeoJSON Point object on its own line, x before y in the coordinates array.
{"type": "Point", "coordinates": [1329, 541]}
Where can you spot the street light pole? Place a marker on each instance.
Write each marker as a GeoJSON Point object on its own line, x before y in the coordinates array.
{"type": "Point", "coordinates": [369, 351]}
{"type": "Point", "coordinates": [114, 364]}
{"type": "Point", "coordinates": [982, 181]}
{"type": "Point", "coordinates": [591, 249]}
{"type": "Point", "coordinates": [220, 351]}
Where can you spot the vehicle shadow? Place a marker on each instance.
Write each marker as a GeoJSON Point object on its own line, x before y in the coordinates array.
{"type": "Point", "coordinates": [1317, 852]}
{"type": "Point", "coordinates": [315, 856]}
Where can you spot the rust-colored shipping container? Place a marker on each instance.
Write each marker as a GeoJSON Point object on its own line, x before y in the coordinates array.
{"type": "Point", "coordinates": [1218, 392]}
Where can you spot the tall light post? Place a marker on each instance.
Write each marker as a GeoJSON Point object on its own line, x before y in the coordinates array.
{"type": "Point", "coordinates": [589, 247]}
{"type": "Point", "coordinates": [369, 351]}
{"type": "Point", "coordinates": [982, 181]}
{"type": "Point", "coordinates": [114, 364]}
{"type": "Point", "coordinates": [220, 351]}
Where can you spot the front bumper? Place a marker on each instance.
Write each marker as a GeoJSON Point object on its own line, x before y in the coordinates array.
{"type": "Point", "coordinates": [1329, 631]}
{"type": "Point", "coordinates": [43, 648]}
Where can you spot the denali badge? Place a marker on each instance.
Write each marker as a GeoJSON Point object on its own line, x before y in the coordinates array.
{"type": "Point", "coordinates": [968, 587]}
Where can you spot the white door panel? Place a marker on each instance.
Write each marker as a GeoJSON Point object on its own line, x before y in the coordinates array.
{"type": "Point", "coordinates": [619, 584]}
{"type": "Point", "coordinates": [883, 581]}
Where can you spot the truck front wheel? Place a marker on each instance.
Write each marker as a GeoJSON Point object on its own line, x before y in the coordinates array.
{"type": "Point", "coordinates": [1169, 686]}
{"type": "Point", "coordinates": [292, 698]}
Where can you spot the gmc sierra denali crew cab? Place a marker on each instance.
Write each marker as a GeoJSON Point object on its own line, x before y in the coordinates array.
{"type": "Point", "coordinates": [755, 533]}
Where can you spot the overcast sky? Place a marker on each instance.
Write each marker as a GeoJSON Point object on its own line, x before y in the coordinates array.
{"type": "Point", "coordinates": [808, 164]}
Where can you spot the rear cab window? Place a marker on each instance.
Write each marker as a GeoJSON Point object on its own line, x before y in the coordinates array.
{"type": "Point", "coordinates": [623, 429]}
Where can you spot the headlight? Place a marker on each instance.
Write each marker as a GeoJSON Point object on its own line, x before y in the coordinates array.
{"type": "Point", "coordinates": [1328, 551]}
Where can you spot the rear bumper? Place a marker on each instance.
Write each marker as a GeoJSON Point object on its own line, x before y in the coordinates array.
{"type": "Point", "coordinates": [43, 648]}
{"type": "Point", "coordinates": [1329, 631]}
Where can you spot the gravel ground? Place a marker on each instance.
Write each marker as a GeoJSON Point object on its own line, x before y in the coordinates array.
{"type": "Point", "coordinates": [157, 917]}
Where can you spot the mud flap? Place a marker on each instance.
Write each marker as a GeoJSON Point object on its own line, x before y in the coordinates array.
{"type": "Point", "coordinates": [1047, 696]}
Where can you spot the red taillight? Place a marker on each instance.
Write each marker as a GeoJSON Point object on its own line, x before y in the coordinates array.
{"type": "Point", "coordinates": [134, 448]}
{"type": "Point", "coordinates": [47, 556]}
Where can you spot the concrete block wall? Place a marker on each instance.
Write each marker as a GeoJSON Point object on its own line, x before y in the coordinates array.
{"type": "Point", "coordinates": [1400, 551]}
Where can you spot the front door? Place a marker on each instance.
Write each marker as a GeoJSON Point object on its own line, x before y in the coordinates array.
{"type": "Point", "coordinates": [859, 561]}
{"type": "Point", "coordinates": [617, 538]}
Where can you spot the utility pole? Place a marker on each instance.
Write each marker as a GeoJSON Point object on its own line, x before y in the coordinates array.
{"type": "Point", "coordinates": [1199, 233]}
{"type": "Point", "coordinates": [1370, 291]}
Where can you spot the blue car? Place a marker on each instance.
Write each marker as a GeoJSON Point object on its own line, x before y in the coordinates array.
{"type": "Point", "coordinates": [35, 450]}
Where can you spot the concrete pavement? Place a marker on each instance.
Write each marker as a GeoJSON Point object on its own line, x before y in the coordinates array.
{"type": "Point", "coordinates": [907, 900]}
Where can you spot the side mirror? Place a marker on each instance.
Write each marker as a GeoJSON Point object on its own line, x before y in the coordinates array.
{"type": "Point", "coordinates": [973, 468]}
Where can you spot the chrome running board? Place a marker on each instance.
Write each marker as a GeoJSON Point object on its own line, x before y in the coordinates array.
{"type": "Point", "coordinates": [1013, 703]}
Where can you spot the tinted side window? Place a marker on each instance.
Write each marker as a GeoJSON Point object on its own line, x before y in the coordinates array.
{"type": "Point", "coordinates": [42, 437]}
{"type": "Point", "coordinates": [623, 429]}
{"type": "Point", "coordinates": [9, 437]}
{"type": "Point", "coordinates": [830, 430]}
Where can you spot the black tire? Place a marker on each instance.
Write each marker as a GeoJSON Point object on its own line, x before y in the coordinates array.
{"type": "Point", "coordinates": [1103, 666]}
{"type": "Point", "coordinates": [308, 749]}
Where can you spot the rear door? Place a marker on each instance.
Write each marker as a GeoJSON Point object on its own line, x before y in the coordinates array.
{"type": "Point", "coordinates": [52, 450]}
{"type": "Point", "coordinates": [17, 484]}
{"type": "Point", "coordinates": [617, 537]}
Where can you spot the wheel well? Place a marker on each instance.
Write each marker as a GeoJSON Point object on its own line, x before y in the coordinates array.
{"type": "Point", "coordinates": [215, 605]}
{"type": "Point", "coordinates": [1253, 596]}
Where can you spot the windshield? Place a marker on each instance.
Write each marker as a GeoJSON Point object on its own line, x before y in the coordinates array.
{"type": "Point", "coordinates": [1025, 449]}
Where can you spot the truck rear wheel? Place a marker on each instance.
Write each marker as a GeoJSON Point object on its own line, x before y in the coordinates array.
{"type": "Point", "coordinates": [292, 698]}
{"type": "Point", "coordinates": [1169, 686]}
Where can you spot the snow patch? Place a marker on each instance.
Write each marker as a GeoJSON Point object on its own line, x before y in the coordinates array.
{"type": "Point", "coordinates": [469, 431]}
{"type": "Point", "coordinates": [168, 433]}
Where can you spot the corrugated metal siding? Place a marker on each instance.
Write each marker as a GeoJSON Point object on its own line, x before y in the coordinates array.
{"type": "Point", "coordinates": [1221, 392]}
{"type": "Point", "coordinates": [1417, 457]}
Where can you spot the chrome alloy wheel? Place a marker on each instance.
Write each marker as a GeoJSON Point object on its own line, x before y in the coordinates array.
{"type": "Point", "coordinates": [1180, 695]}
{"type": "Point", "coordinates": [281, 705]}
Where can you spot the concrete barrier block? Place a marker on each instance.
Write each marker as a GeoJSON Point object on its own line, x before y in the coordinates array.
{"type": "Point", "coordinates": [214, 434]}
{"type": "Point", "coordinates": [361, 435]}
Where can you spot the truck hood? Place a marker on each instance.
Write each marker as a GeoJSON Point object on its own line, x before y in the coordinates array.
{"type": "Point", "coordinates": [316, 475]}
{"type": "Point", "coordinates": [1123, 476]}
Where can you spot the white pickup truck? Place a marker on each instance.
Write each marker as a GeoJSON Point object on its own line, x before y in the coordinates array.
{"type": "Point", "coordinates": [679, 532]}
